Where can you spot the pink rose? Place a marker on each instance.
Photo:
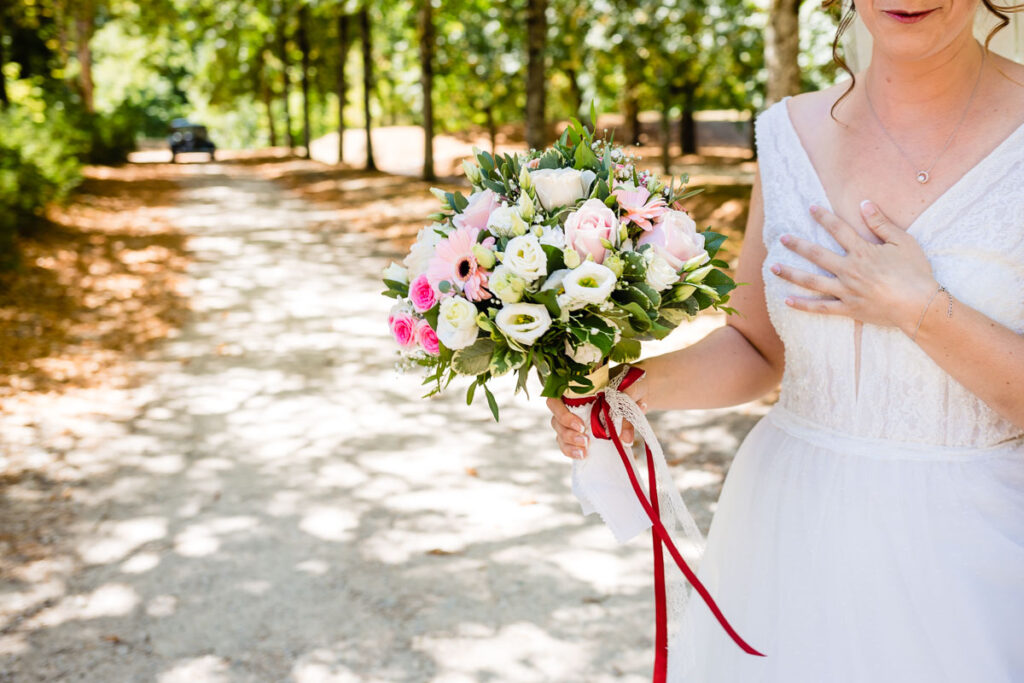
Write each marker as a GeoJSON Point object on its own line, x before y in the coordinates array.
{"type": "Point", "coordinates": [403, 327]}
{"type": "Point", "coordinates": [588, 225]}
{"type": "Point", "coordinates": [675, 238]}
{"type": "Point", "coordinates": [478, 210]}
{"type": "Point", "coordinates": [427, 338]}
{"type": "Point", "coordinates": [422, 294]}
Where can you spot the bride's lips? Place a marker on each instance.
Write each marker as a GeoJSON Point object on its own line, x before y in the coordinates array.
{"type": "Point", "coordinates": [906, 17]}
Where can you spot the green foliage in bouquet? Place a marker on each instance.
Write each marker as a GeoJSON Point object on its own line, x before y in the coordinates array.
{"type": "Point", "coordinates": [560, 261]}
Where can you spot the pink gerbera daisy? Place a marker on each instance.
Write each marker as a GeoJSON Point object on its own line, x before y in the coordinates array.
{"type": "Point", "coordinates": [455, 262]}
{"type": "Point", "coordinates": [637, 209]}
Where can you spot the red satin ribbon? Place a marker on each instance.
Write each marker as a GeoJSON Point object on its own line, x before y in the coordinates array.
{"type": "Point", "coordinates": [602, 427]}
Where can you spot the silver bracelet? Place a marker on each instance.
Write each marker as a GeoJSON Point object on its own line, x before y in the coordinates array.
{"type": "Point", "coordinates": [949, 309]}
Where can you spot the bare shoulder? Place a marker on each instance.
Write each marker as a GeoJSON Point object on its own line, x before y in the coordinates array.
{"type": "Point", "coordinates": [1009, 87]}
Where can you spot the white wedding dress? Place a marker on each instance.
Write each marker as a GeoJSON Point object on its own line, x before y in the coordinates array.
{"type": "Point", "coordinates": [871, 528]}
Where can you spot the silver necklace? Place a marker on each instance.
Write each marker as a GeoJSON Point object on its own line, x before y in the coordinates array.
{"type": "Point", "coordinates": [924, 175]}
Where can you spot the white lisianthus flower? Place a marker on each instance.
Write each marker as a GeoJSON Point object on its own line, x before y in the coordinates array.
{"type": "Point", "coordinates": [505, 221]}
{"type": "Point", "coordinates": [585, 353]}
{"type": "Point", "coordinates": [660, 273]}
{"type": "Point", "coordinates": [456, 323]}
{"type": "Point", "coordinates": [525, 257]}
{"type": "Point", "coordinates": [506, 285]}
{"type": "Point", "coordinates": [397, 273]}
{"type": "Point", "coordinates": [554, 280]}
{"type": "Point", "coordinates": [553, 236]}
{"type": "Point", "coordinates": [590, 283]}
{"type": "Point", "coordinates": [557, 187]}
{"type": "Point", "coordinates": [523, 323]}
{"type": "Point", "coordinates": [422, 251]}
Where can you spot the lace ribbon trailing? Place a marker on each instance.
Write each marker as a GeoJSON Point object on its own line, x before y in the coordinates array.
{"type": "Point", "coordinates": [627, 509]}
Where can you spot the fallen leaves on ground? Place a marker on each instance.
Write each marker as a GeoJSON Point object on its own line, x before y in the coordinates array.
{"type": "Point", "coordinates": [99, 283]}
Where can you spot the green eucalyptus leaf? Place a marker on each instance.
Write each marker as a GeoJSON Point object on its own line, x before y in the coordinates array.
{"type": "Point", "coordinates": [491, 403]}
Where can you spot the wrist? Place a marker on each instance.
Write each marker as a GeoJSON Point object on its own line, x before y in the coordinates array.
{"type": "Point", "coordinates": [916, 307]}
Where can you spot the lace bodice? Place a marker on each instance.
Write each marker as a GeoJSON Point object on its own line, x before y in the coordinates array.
{"type": "Point", "coordinates": [974, 238]}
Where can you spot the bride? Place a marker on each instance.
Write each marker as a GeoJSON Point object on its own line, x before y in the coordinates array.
{"type": "Point", "coordinates": [871, 527]}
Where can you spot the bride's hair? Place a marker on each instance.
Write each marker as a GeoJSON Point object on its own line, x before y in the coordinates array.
{"type": "Point", "coordinates": [849, 13]}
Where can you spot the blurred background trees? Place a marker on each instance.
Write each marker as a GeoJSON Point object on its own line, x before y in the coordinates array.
{"type": "Point", "coordinates": [82, 80]}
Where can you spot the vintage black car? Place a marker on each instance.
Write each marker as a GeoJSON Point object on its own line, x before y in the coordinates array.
{"type": "Point", "coordinates": [189, 137]}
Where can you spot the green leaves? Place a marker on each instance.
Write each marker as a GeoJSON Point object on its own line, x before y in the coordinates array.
{"type": "Point", "coordinates": [396, 289]}
{"type": "Point", "coordinates": [593, 329]}
{"type": "Point", "coordinates": [474, 359]}
{"type": "Point", "coordinates": [626, 351]}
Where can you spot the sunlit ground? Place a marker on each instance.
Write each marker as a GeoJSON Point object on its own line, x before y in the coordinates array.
{"type": "Point", "coordinates": [274, 502]}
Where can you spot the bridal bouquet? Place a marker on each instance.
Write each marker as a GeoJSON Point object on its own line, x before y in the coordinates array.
{"type": "Point", "coordinates": [560, 260]}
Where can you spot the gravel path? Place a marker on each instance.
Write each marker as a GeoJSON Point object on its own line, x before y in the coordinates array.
{"type": "Point", "coordinates": [274, 503]}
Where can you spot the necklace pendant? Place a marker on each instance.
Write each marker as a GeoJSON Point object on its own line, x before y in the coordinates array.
{"type": "Point", "coordinates": [922, 177]}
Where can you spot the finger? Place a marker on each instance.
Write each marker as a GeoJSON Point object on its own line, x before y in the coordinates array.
{"type": "Point", "coordinates": [826, 306]}
{"type": "Point", "coordinates": [815, 253]}
{"type": "Point", "coordinates": [879, 223]}
{"type": "Point", "coordinates": [569, 440]}
{"type": "Point", "coordinates": [819, 283]}
{"type": "Point", "coordinates": [627, 433]}
{"type": "Point", "coordinates": [564, 415]}
{"type": "Point", "coordinates": [839, 229]}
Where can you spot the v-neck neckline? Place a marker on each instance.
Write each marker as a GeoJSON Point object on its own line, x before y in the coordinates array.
{"type": "Point", "coordinates": [944, 197]}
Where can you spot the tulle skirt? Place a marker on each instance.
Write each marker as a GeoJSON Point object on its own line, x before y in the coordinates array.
{"type": "Point", "coordinates": [850, 560]}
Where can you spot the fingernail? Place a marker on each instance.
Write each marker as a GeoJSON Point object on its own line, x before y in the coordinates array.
{"type": "Point", "coordinates": [815, 209]}
{"type": "Point", "coordinates": [580, 429]}
{"type": "Point", "coordinates": [785, 239]}
{"type": "Point", "coordinates": [789, 302]}
{"type": "Point", "coordinates": [776, 269]}
{"type": "Point", "coordinates": [580, 441]}
{"type": "Point", "coordinates": [577, 453]}
{"type": "Point", "coordinates": [868, 207]}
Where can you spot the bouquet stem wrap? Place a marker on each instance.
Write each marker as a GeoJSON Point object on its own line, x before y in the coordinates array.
{"type": "Point", "coordinates": [599, 484]}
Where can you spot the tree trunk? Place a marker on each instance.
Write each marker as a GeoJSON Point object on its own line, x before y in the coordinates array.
{"type": "Point", "coordinates": [282, 47]}
{"type": "Point", "coordinates": [344, 44]}
{"type": "Point", "coordinates": [85, 25]}
{"type": "Point", "coordinates": [781, 48]}
{"type": "Point", "coordinates": [266, 92]}
{"type": "Point", "coordinates": [364, 31]}
{"type": "Point", "coordinates": [577, 92]}
{"type": "Point", "coordinates": [492, 128]}
{"type": "Point", "coordinates": [687, 124]}
{"type": "Point", "coordinates": [666, 133]}
{"type": "Point", "coordinates": [536, 38]}
{"type": "Point", "coordinates": [4, 101]}
{"type": "Point", "coordinates": [303, 41]}
{"type": "Point", "coordinates": [427, 82]}
{"type": "Point", "coordinates": [631, 115]}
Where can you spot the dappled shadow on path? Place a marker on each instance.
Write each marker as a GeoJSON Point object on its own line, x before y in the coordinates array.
{"type": "Point", "coordinates": [276, 503]}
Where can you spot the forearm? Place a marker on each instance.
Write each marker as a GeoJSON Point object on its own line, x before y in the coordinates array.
{"type": "Point", "coordinates": [982, 355]}
{"type": "Point", "coordinates": [722, 369]}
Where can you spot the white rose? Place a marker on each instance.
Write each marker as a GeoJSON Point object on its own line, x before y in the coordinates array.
{"type": "Point", "coordinates": [396, 273]}
{"type": "Point", "coordinates": [558, 186]}
{"type": "Point", "coordinates": [456, 323]}
{"type": "Point", "coordinates": [590, 283]}
{"type": "Point", "coordinates": [505, 221]}
{"type": "Point", "coordinates": [585, 353]}
{"type": "Point", "coordinates": [526, 258]}
{"type": "Point", "coordinates": [508, 286]}
{"type": "Point", "coordinates": [660, 273]}
{"type": "Point", "coordinates": [422, 251]}
{"type": "Point", "coordinates": [523, 323]}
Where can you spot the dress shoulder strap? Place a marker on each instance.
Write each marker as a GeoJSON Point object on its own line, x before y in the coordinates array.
{"type": "Point", "coordinates": [788, 183]}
